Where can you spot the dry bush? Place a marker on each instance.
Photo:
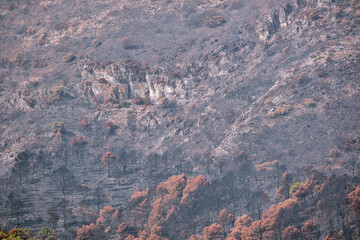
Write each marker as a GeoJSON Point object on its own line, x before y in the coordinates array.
{"type": "Point", "coordinates": [351, 143]}
{"type": "Point", "coordinates": [39, 64]}
{"type": "Point", "coordinates": [127, 43]}
{"type": "Point", "coordinates": [300, 80]}
{"type": "Point", "coordinates": [105, 64]}
{"type": "Point", "coordinates": [30, 30]}
{"type": "Point", "coordinates": [83, 123]}
{"type": "Point", "coordinates": [110, 127]}
{"type": "Point", "coordinates": [268, 166]}
{"type": "Point", "coordinates": [138, 101]}
{"type": "Point", "coordinates": [96, 42]}
{"type": "Point", "coordinates": [334, 153]}
{"type": "Point", "coordinates": [283, 110]}
{"type": "Point", "coordinates": [69, 57]}
{"type": "Point", "coordinates": [102, 80]}
{"type": "Point", "coordinates": [309, 102]}
{"type": "Point", "coordinates": [214, 21]}
{"type": "Point", "coordinates": [214, 231]}
{"type": "Point", "coordinates": [163, 101]}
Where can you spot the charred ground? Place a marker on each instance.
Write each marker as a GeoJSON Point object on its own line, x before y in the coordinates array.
{"type": "Point", "coordinates": [171, 87]}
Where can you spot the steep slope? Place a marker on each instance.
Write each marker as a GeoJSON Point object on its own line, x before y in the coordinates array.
{"type": "Point", "coordinates": [169, 87]}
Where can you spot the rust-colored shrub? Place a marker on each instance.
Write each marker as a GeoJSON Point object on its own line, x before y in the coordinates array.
{"type": "Point", "coordinates": [96, 42]}
{"type": "Point", "coordinates": [102, 80]}
{"type": "Point", "coordinates": [351, 143]}
{"type": "Point", "coordinates": [105, 64]}
{"type": "Point", "coordinates": [214, 21]}
{"type": "Point", "coordinates": [193, 184]}
{"type": "Point", "coordinates": [174, 118]}
{"type": "Point", "coordinates": [309, 102]}
{"type": "Point", "coordinates": [214, 232]}
{"type": "Point", "coordinates": [127, 43]}
{"type": "Point", "coordinates": [291, 233]}
{"type": "Point", "coordinates": [30, 102]}
{"type": "Point", "coordinates": [224, 216]}
{"type": "Point", "coordinates": [322, 74]}
{"type": "Point", "coordinates": [334, 153]}
{"type": "Point", "coordinates": [300, 80]}
{"type": "Point", "coordinates": [285, 49]}
{"type": "Point", "coordinates": [39, 64]}
{"type": "Point", "coordinates": [163, 101]}
{"type": "Point", "coordinates": [269, 166]}
{"type": "Point", "coordinates": [69, 57]}
{"type": "Point", "coordinates": [282, 110]}
{"type": "Point", "coordinates": [83, 123]}
{"type": "Point", "coordinates": [78, 141]}
{"type": "Point", "coordinates": [173, 188]}
{"type": "Point", "coordinates": [107, 160]}
{"type": "Point", "coordinates": [90, 232]}
{"type": "Point", "coordinates": [314, 15]}
{"type": "Point", "coordinates": [353, 200]}
{"type": "Point", "coordinates": [139, 197]}
{"type": "Point", "coordinates": [309, 229]}
{"type": "Point", "coordinates": [138, 101]}
{"type": "Point", "coordinates": [109, 127]}
{"type": "Point", "coordinates": [125, 230]}
{"type": "Point", "coordinates": [105, 215]}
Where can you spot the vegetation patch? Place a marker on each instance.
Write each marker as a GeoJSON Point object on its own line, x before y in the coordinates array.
{"type": "Point", "coordinates": [214, 21]}
{"type": "Point", "coordinates": [283, 110]}
{"type": "Point", "coordinates": [57, 126]}
{"type": "Point", "coordinates": [318, 58]}
{"type": "Point", "coordinates": [69, 57]}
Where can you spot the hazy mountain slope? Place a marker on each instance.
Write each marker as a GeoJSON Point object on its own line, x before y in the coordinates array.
{"type": "Point", "coordinates": [170, 87]}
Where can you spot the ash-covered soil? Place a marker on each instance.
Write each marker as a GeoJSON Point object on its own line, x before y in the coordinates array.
{"type": "Point", "coordinates": [169, 87]}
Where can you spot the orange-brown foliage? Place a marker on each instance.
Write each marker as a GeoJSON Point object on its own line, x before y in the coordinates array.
{"type": "Point", "coordinates": [291, 233]}
{"type": "Point", "coordinates": [334, 153]}
{"type": "Point", "coordinates": [107, 158]}
{"type": "Point", "coordinates": [240, 223]}
{"type": "Point", "coordinates": [254, 231]}
{"type": "Point", "coordinates": [172, 189]}
{"type": "Point", "coordinates": [282, 192]}
{"type": "Point", "coordinates": [268, 166]}
{"type": "Point", "coordinates": [139, 197]}
{"type": "Point", "coordinates": [102, 80]}
{"type": "Point", "coordinates": [156, 218]}
{"type": "Point", "coordinates": [353, 200]}
{"type": "Point", "coordinates": [105, 215]}
{"type": "Point", "coordinates": [192, 185]}
{"type": "Point", "coordinates": [83, 123]}
{"type": "Point", "coordinates": [224, 216]}
{"type": "Point", "coordinates": [89, 232]}
{"type": "Point", "coordinates": [352, 143]}
{"type": "Point", "coordinates": [214, 232]}
{"type": "Point", "coordinates": [309, 229]}
{"type": "Point", "coordinates": [79, 141]}
{"type": "Point", "coordinates": [125, 230]}
{"type": "Point", "coordinates": [109, 125]}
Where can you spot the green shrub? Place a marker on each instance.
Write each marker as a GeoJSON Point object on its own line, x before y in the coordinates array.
{"type": "Point", "coordinates": [57, 126]}
{"type": "Point", "coordinates": [294, 187]}
{"type": "Point", "coordinates": [3, 235]}
{"type": "Point", "coordinates": [47, 233]}
{"type": "Point", "coordinates": [318, 58]}
{"type": "Point", "coordinates": [120, 78]}
{"type": "Point", "coordinates": [125, 103]}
